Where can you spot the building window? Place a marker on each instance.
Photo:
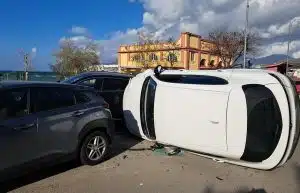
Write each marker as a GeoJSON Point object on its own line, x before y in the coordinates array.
{"type": "Point", "coordinates": [153, 57]}
{"type": "Point", "coordinates": [172, 57]}
{"type": "Point", "coordinates": [212, 63]}
{"type": "Point", "coordinates": [193, 56]}
{"type": "Point", "coordinates": [202, 63]}
{"type": "Point", "coordinates": [137, 57]}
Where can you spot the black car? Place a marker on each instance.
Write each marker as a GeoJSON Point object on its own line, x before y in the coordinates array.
{"type": "Point", "coordinates": [110, 85]}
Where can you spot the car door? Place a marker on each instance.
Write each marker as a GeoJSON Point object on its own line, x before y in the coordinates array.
{"type": "Point", "coordinates": [190, 112]}
{"type": "Point", "coordinates": [18, 129]}
{"type": "Point", "coordinates": [112, 92]}
{"type": "Point", "coordinates": [57, 116]}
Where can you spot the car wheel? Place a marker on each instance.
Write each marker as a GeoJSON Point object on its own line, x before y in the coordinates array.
{"type": "Point", "coordinates": [94, 148]}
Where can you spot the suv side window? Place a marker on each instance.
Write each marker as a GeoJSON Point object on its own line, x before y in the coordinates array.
{"type": "Point", "coordinates": [92, 82]}
{"type": "Point", "coordinates": [13, 103]}
{"type": "Point", "coordinates": [113, 84]}
{"type": "Point", "coordinates": [52, 98]}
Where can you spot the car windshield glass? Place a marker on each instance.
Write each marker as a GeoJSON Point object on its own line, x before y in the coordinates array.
{"type": "Point", "coordinates": [71, 79]}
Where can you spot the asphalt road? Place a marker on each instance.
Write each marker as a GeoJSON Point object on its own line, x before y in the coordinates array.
{"type": "Point", "coordinates": [133, 167]}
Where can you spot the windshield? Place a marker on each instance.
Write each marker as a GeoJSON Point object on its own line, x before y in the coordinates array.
{"type": "Point", "coordinates": [71, 79]}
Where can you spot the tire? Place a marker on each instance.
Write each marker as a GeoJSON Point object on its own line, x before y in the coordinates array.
{"type": "Point", "coordinates": [91, 154]}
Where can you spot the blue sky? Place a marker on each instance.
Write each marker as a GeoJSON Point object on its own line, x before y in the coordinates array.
{"type": "Point", "coordinates": [26, 24]}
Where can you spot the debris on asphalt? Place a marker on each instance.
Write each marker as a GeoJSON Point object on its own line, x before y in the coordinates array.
{"type": "Point", "coordinates": [156, 146]}
{"type": "Point", "coordinates": [125, 156]}
{"type": "Point", "coordinates": [218, 160]}
{"type": "Point", "coordinates": [219, 178]}
{"type": "Point", "coordinates": [166, 150]}
{"type": "Point", "coordinates": [172, 150]}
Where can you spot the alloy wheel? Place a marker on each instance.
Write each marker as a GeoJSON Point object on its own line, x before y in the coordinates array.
{"type": "Point", "coordinates": [95, 148]}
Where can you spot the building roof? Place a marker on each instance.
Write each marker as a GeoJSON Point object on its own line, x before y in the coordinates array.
{"type": "Point", "coordinates": [271, 65]}
{"type": "Point", "coordinates": [293, 62]}
{"type": "Point", "coordinates": [166, 42]}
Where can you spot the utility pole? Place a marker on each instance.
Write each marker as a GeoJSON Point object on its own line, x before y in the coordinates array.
{"type": "Point", "coordinates": [246, 33]}
{"type": "Point", "coordinates": [288, 49]}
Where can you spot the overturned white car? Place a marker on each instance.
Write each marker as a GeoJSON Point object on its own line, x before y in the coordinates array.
{"type": "Point", "coordinates": [242, 116]}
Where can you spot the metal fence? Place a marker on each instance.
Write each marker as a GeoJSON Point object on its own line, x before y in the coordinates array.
{"type": "Point", "coordinates": [34, 76]}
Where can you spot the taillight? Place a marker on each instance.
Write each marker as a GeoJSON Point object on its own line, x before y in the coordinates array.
{"type": "Point", "coordinates": [106, 105]}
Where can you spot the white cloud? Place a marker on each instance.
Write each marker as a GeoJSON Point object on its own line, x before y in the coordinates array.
{"type": "Point", "coordinates": [33, 52]}
{"type": "Point", "coordinates": [79, 30]}
{"type": "Point", "coordinates": [170, 17]}
{"type": "Point", "coordinates": [277, 29]}
{"type": "Point", "coordinates": [281, 48]}
{"type": "Point", "coordinates": [296, 54]}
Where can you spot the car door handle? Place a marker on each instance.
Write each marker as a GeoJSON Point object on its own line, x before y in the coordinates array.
{"type": "Point", "coordinates": [78, 113]}
{"type": "Point", "coordinates": [214, 122]}
{"type": "Point", "coordinates": [24, 127]}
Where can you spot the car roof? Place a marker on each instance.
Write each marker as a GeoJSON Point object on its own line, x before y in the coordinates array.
{"type": "Point", "coordinates": [105, 73]}
{"type": "Point", "coordinates": [17, 83]}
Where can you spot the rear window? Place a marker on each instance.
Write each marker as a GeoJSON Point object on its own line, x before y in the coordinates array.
{"type": "Point", "coordinates": [193, 79]}
{"type": "Point", "coordinates": [264, 123]}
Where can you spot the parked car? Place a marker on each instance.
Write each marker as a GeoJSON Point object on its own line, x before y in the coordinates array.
{"type": "Point", "coordinates": [42, 122]}
{"type": "Point", "coordinates": [246, 117]}
{"type": "Point", "coordinates": [110, 85]}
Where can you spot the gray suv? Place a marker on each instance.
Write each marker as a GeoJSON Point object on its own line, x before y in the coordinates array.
{"type": "Point", "coordinates": [41, 122]}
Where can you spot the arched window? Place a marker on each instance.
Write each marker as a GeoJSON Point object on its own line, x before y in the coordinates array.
{"type": "Point", "coordinates": [172, 57]}
{"type": "Point", "coordinates": [220, 64]}
{"type": "Point", "coordinates": [212, 63]}
{"type": "Point", "coordinates": [153, 57]}
{"type": "Point", "coordinates": [202, 63]}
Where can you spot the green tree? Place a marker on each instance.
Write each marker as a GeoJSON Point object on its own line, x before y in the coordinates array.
{"type": "Point", "coordinates": [72, 59]}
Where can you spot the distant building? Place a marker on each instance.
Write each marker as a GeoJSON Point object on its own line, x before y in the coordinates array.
{"type": "Point", "coordinates": [280, 66]}
{"type": "Point", "coordinates": [190, 51]}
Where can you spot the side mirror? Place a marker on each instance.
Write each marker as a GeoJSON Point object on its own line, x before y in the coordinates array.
{"type": "Point", "coordinates": [158, 70]}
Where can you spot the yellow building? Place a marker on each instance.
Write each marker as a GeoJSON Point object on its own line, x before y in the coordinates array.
{"type": "Point", "coordinates": [190, 51]}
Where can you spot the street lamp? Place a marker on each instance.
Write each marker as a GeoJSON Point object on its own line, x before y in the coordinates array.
{"type": "Point", "coordinates": [246, 33]}
{"type": "Point", "coordinates": [289, 41]}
